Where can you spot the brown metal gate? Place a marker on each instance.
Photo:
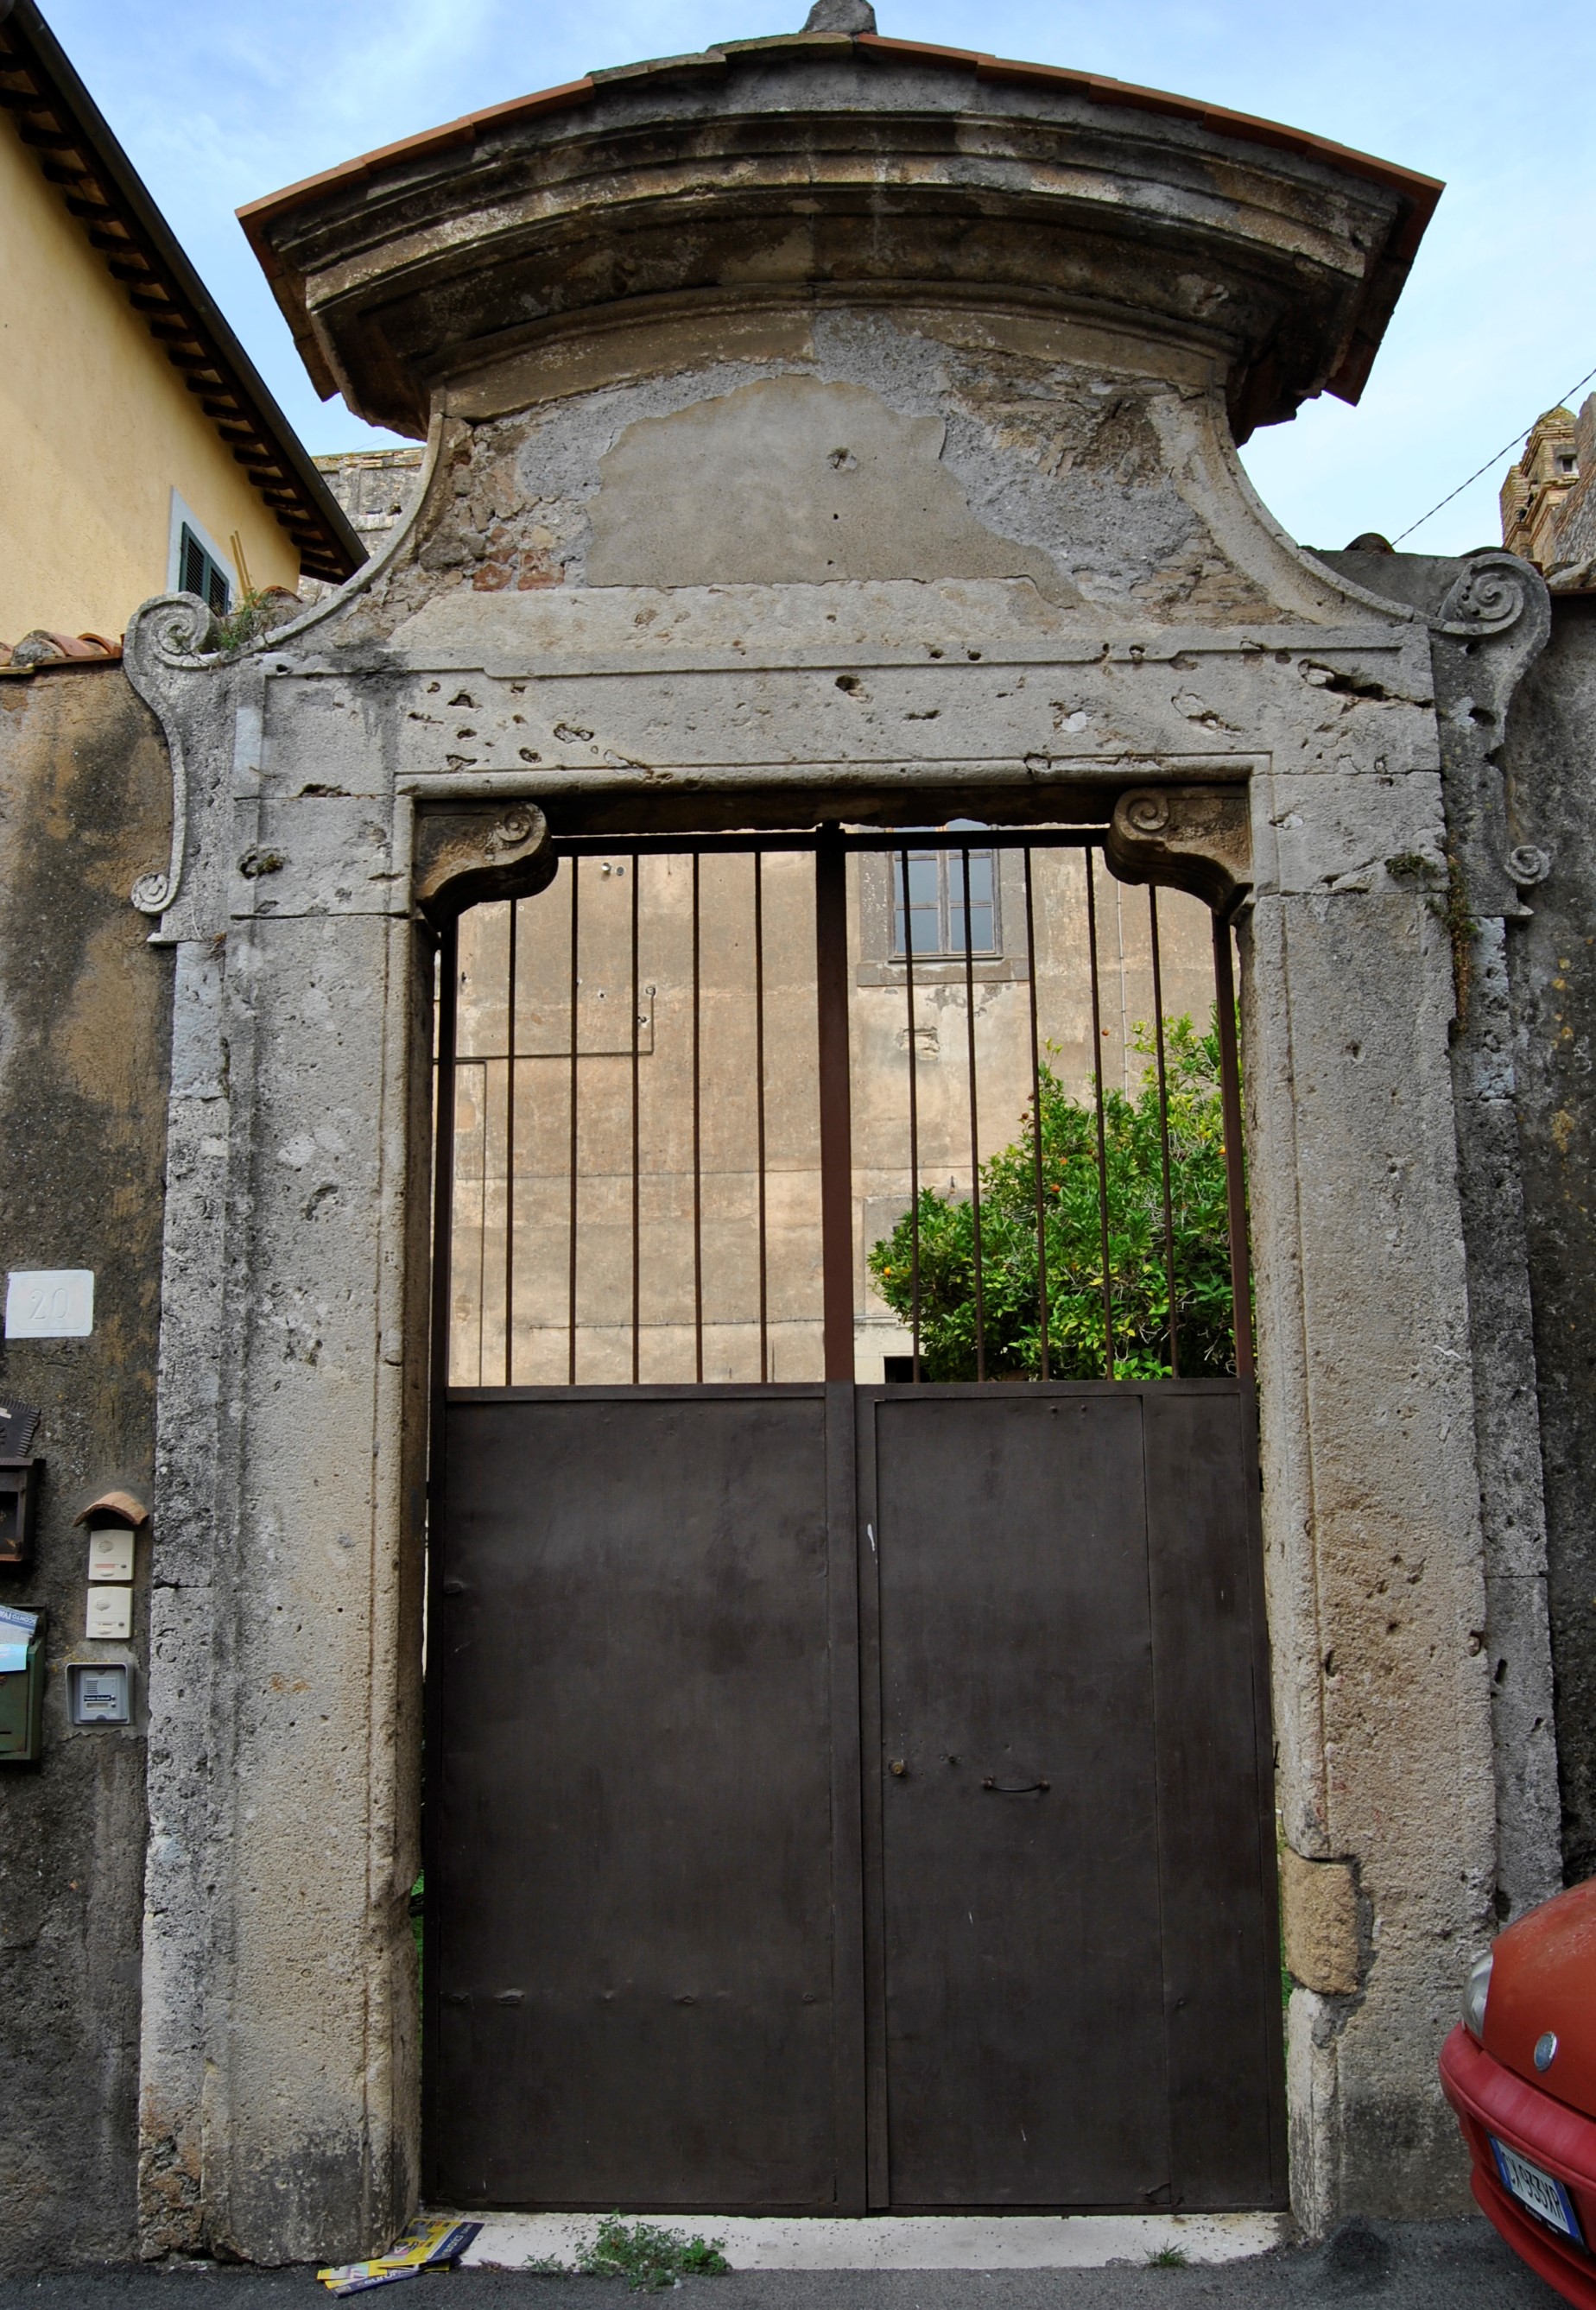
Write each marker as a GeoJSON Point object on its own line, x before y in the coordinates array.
{"type": "Point", "coordinates": [841, 1795]}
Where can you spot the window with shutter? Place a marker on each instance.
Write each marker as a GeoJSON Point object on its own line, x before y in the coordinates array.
{"type": "Point", "coordinates": [198, 572]}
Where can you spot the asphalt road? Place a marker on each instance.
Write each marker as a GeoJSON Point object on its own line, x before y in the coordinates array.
{"type": "Point", "coordinates": [1459, 2265]}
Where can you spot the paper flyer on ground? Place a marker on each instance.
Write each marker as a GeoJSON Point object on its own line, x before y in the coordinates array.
{"type": "Point", "coordinates": [426, 2244]}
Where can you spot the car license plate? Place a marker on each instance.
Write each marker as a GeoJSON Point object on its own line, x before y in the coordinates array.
{"type": "Point", "coordinates": [1539, 2191]}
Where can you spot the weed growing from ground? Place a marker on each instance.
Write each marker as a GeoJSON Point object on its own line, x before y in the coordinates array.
{"type": "Point", "coordinates": [647, 2257]}
{"type": "Point", "coordinates": [252, 616]}
{"type": "Point", "coordinates": [1168, 2257]}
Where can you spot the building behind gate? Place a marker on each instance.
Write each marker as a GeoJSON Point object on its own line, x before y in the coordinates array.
{"type": "Point", "coordinates": [831, 449]}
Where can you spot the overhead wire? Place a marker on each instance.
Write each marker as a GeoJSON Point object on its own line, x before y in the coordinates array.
{"type": "Point", "coordinates": [1563, 398]}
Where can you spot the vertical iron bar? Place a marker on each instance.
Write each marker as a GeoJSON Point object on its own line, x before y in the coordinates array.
{"type": "Point", "coordinates": [909, 981]}
{"type": "Point", "coordinates": [482, 1239]}
{"type": "Point", "coordinates": [1030, 950]}
{"type": "Point", "coordinates": [509, 1164]}
{"type": "Point", "coordinates": [571, 1268]}
{"type": "Point", "coordinates": [969, 1017]}
{"type": "Point", "coordinates": [443, 1174]}
{"type": "Point", "coordinates": [1152, 922]}
{"type": "Point", "coordinates": [636, 1143]}
{"type": "Point", "coordinates": [1236, 1187]}
{"type": "Point", "coordinates": [697, 1150]}
{"type": "Point", "coordinates": [447, 997]}
{"type": "Point", "coordinates": [837, 1148]}
{"type": "Point", "coordinates": [1091, 931]}
{"type": "Point", "coordinates": [849, 2074]}
{"type": "Point", "coordinates": [759, 1111]}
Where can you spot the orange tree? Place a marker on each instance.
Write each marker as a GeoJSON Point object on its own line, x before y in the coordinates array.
{"type": "Point", "coordinates": [1137, 1268]}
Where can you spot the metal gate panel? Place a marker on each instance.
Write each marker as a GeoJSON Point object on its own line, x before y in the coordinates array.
{"type": "Point", "coordinates": [1022, 2030]}
{"type": "Point", "coordinates": [1216, 1795]}
{"type": "Point", "coordinates": [1071, 1988]}
{"type": "Point", "coordinates": [639, 1812]}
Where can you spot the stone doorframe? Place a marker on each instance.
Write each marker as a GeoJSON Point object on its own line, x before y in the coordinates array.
{"type": "Point", "coordinates": [279, 2103]}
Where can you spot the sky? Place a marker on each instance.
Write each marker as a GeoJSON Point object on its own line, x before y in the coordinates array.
{"type": "Point", "coordinates": [217, 106]}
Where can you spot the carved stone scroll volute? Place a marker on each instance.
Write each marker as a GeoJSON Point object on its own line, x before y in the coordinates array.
{"type": "Point", "coordinates": [1492, 627]}
{"type": "Point", "coordinates": [465, 856]}
{"type": "Point", "coordinates": [1196, 838]}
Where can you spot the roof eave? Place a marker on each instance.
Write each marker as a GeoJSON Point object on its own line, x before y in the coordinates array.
{"type": "Point", "coordinates": [1417, 195]}
{"type": "Point", "coordinates": [1266, 387]}
{"type": "Point", "coordinates": [161, 248]}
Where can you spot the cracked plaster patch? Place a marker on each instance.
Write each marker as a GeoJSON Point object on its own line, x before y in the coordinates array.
{"type": "Point", "coordinates": [791, 480]}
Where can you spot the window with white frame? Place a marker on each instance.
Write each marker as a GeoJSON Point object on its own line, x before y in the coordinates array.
{"type": "Point", "coordinates": [950, 908]}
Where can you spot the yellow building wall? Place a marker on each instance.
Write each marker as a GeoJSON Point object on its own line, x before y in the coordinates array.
{"type": "Point", "coordinates": [97, 429]}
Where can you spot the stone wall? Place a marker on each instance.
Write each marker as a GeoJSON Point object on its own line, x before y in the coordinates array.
{"type": "Point", "coordinates": [1552, 963]}
{"type": "Point", "coordinates": [85, 799]}
{"type": "Point", "coordinates": [376, 488]}
{"type": "Point", "coordinates": [1548, 498]}
{"type": "Point", "coordinates": [1576, 517]}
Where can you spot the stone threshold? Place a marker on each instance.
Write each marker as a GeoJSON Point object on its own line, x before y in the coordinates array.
{"type": "Point", "coordinates": [903, 2241]}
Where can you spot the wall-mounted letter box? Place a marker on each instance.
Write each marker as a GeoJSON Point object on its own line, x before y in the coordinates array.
{"type": "Point", "coordinates": [22, 1684]}
{"type": "Point", "coordinates": [19, 1473]}
{"type": "Point", "coordinates": [19, 1501]}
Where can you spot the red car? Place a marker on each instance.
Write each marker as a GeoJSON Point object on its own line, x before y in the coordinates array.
{"type": "Point", "coordinates": [1520, 2069]}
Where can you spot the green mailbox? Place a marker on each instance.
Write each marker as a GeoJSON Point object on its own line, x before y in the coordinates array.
{"type": "Point", "coordinates": [22, 1684]}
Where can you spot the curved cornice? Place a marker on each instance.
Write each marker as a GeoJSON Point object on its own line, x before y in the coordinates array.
{"type": "Point", "coordinates": [848, 167]}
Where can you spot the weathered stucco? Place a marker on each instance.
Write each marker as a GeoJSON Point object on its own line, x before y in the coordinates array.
{"type": "Point", "coordinates": [774, 500]}
{"type": "Point", "coordinates": [86, 1006]}
{"type": "Point", "coordinates": [1479, 899]}
{"type": "Point", "coordinates": [1550, 954]}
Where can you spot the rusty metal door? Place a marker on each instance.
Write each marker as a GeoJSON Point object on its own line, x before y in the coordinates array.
{"type": "Point", "coordinates": [840, 1797]}
{"type": "Point", "coordinates": [645, 1802]}
{"type": "Point", "coordinates": [1072, 2002]}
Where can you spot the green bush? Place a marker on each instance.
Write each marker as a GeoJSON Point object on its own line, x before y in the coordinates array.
{"type": "Point", "coordinates": [1138, 1275]}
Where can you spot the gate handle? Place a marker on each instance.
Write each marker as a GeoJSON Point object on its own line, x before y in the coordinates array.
{"type": "Point", "coordinates": [1016, 1788]}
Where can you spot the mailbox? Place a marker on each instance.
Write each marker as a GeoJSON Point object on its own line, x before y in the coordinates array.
{"type": "Point", "coordinates": [18, 1503]}
{"type": "Point", "coordinates": [19, 1473]}
{"type": "Point", "coordinates": [22, 1684]}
